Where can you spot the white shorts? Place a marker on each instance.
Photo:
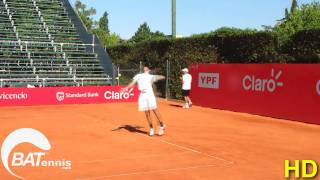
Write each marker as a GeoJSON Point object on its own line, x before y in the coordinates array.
{"type": "Point", "coordinates": [147, 101]}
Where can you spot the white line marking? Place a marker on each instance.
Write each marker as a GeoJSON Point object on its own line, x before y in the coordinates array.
{"type": "Point", "coordinates": [147, 172]}
{"type": "Point", "coordinates": [190, 149]}
{"type": "Point", "coordinates": [198, 152]}
{"type": "Point", "coordinates": [228, 163]}
{"type": "Point", "coordinates": [123, 158]}
{"type": "Point", "coordinates": [181, 147]}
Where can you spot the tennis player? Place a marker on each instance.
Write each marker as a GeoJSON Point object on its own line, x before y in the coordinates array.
{"type": "Point", "coordinates": [186, 87]}
{"type": "Point", "coordinates": [147, 100]}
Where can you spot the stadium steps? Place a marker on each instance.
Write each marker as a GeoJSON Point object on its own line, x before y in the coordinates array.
{"type": "Point", "coordinates": [61, 53]}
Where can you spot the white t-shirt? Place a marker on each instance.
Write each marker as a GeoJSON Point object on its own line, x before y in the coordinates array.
{"type": "Point", "coordinates": [145, 82]}
{"type": "Point", "coordinates": [186, 82]}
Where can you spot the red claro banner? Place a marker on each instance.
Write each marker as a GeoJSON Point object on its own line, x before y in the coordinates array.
{"type": "Point", "coordinates": [285, 91]}
{"type": "Point", "coordinates": [65, 95]}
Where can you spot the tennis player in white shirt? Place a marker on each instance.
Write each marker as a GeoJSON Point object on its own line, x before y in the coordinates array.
{"type": "Point", "coordinates": [186, 87]}
{"type": "Point", "coordinates": [147, 100]}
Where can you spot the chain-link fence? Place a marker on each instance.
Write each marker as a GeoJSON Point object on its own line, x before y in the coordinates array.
{"type": "Point", "coordinates": [123, 75]}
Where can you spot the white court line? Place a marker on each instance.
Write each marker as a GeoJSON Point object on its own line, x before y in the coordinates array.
{"type": "Point", "coordinates": [198, 152]}
{"type": "Point", "coordinates": [189, 149]}
{"type": "Point", "coordinates": [227, 163]}
{"type": "Point", "coordinates": [123, 158]}
{"type": "Point", "coordinates": [147, 172]}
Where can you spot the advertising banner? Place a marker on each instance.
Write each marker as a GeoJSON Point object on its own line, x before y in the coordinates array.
{"type": "Point", "coordinates": [65, 95]}
{"type": "Point", "coordinates": [287, 91]}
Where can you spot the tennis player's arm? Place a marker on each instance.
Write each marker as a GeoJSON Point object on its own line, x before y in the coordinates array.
{"type": "Point", "coordinates": [159, 77]}
{"type": "Point", "coordinates": [131, 85]}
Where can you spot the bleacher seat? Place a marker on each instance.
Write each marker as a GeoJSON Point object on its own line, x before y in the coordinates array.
{"type": "Point", "coordinates": [39, 45]}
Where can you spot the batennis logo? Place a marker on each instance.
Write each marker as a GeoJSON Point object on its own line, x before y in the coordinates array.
{"type": "Point", "coordinates": [318, 87]}
{"type": "Point", "coordinates": [209, 80]}
{"type": "Point", "coordinates": [111, 95]}
{"type": "Point", "coordinates": [34, 159]}
{"type": "Point", "coordinates": [18, 96]}
{"type": "Point", "coordinates": [61, 96]}
{"type": "Point", "coordinates": [256, 84]}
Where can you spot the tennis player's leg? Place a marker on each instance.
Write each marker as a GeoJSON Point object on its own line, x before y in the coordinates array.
{"type": "Point", "coordinates": [160, 120]}
{"type": "Point", "coordinates": [144, 106]}
{"type": "Point", "coordinates": [189, 101]}
{"type": "Point", "coordinates": [148, 116]}
{"type": "Point", "coordinates": [159, 117]}
{"type": "Point", "coordinates": [184, 94]}
{"type": "Point", "coordinates": [187, 98]}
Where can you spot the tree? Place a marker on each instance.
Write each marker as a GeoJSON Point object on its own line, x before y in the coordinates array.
{"type": "Point", "coordinates": [142, 34]}
{"type": "Point", "coordinates": [112, 39]}
{"type": "Point", "coordinates": [294, 6]}
{"type": "Point", "coordinates": [158, 35]}
{"type": "Point", "coordinates": [145, 34]}
{"type": "Point", "coordinates": [107, 40]}
{"type": "Point", "coordinates": [104, 23]}
{"type": "Point", "coordinates": [85, 14]}
{"type": "Point", "coordinates": [305, 17]}
{"type": "Point", "coordinates": [286, 14]}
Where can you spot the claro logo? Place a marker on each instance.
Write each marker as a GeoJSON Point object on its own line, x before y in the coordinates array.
{"type": "Point", "coordinates": [112, 95]}
{"type": "Point", "coordinates": [253, 83]}
{"type": "Point", "coordinates": [33, 159]}
{"type": "Point", "coordinates": [318, 87]}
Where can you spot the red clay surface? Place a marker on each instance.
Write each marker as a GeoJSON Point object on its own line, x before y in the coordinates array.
{"type": "Point", "coordinates": [108, 141]}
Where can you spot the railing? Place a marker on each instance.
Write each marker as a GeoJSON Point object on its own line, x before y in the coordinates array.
{"type": "Point", "coordinates": [42, 81]}
{"type": "Point", "coordinates": [52, 44]}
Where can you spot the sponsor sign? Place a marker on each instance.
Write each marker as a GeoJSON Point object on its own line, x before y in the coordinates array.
{"type": "Point", "coordinates": [209, 80]}
{"type": "Point", "coordinates": [65, 95]}
{"type": "Point", "coordinates": [287, 91]}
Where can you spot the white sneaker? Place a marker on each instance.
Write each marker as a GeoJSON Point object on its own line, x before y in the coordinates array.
{"type": "Point", "coordinates": [186, 106]}
{"type": "Point", "coordinates": [161, 130]}
{"type": "Point", "coordinates": [151, 132]}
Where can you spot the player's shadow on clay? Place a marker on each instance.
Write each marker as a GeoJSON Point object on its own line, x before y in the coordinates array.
{"type": "Point", "coordinates": [175, 105]}
{"type": "Point", "coordinates": [132, 129]}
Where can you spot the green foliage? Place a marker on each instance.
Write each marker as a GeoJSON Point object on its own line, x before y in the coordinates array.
{"type": "Point", "coordinates": [244, 47]}
{"type": "Point", "coordinates": [286, 14]}
{"type": "Point", "coordinates": [102, 31]}
{"type": "Point", "coordinates": [303, 47]}
{"type": "Point", "coordinates": [300, 18]}
{"type": "Point", "coordinates": [229, 31]}
{"type": "Point", "coordinates": [107, 39]}
{"type": "Point", "coordinates": [85, 14]}
{"type": "Point", "coordinates": [104, 23]}
{"type": "Point", "coordinates": [226, 31]}
{"type": "Point", "coordinates": [179, 52]}
{"type": "Point", "coordinates": [294, 6]}
{"type": "Point", "coordinates": [145, 34]}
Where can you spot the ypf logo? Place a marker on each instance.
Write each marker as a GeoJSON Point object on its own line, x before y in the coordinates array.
{"type": "Point", "coordinates": [34, 159]}
{"type": "Point", "coordinates": [112, 95]}
{"type": "Point", "coordinates": [209, 80]}
{"type": "Point", "coordinates": [318, 87]}
{"type": "Point", "coordinates": [253, 83]}
{"type": "Point", "coordinates": [60, 96]}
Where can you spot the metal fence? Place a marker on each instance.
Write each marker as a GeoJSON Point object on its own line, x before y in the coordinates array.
{"type": "Point", "coordinates": [125, 73]}
{"type": "Point", "coordinates": [42, 82]}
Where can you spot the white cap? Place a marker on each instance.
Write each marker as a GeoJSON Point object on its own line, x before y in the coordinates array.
{"type": "Point", "coordinates": [185, 70]}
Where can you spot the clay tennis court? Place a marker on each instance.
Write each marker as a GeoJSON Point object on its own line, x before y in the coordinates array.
{"type": "Point", "coordinates": [110, 141]}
